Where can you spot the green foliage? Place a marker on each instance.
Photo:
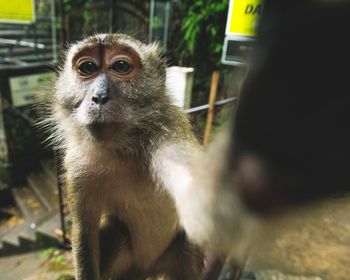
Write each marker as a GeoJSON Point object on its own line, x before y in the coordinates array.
{"type": "Point", "coordinates": [204, 23]}
{"type": "Point", "coordinates": [48, 252]}
{"type": "Point", "coordinates": [66, 277]}
{"type": "Point", "coordinates": [72, 5]}
{"type": "Point", "coordinates": [196, 36]}
{"type": "Point", "coordinates": [54, 255]}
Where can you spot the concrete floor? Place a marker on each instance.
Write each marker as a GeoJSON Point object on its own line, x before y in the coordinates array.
{"type": "Point", "coordinates": [36, 266]}
{"type": "Point", "coordinates": [310, 242]}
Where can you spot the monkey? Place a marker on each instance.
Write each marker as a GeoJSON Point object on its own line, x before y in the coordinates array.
{"type": "Point", "coordinates": [288, 143]}
{"type": "Point", "coordinates": [123, 140]}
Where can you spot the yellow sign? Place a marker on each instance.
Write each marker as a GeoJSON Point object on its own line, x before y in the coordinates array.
{"type": "Point", "coordinates": [242, 17]}
{"type": "Point", "coordinates": [18, 11]}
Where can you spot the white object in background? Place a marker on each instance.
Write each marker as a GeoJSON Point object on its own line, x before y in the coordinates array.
{"type": "Point", "coordinates": [179, 81]}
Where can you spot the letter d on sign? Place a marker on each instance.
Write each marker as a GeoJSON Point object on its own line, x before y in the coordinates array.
{"type": "Point", "coordinates": [242, 17]}
{"type": "Point", "coordinates": [249, 9]}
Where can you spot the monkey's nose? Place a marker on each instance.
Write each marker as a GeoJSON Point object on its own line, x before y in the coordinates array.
{"type": "Point", "coordinates": [100, 99]}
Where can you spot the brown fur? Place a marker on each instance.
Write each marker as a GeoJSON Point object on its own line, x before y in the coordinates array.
{"type": "Point", "coordinates": [125, 225]}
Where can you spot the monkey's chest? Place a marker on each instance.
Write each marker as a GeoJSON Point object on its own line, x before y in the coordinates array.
{"type": "Point", "coordinates": [149, 215]}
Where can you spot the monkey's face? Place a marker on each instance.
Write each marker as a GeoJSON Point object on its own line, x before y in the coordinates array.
{"type": "Point", "coordinates": [109, 84]}
{"type": "Point", "coordinates": [105, 72]}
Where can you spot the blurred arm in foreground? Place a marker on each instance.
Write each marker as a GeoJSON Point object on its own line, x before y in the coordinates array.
{"type": "Point", "coordinates": [289, 141]}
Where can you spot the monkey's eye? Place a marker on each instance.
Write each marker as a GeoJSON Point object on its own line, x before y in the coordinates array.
{"type": "Point", "coordinates": [121, 67]}
{"type": "Point", "coordinates": [87, 68]}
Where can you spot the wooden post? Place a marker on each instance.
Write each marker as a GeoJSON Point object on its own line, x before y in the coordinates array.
{"type": "Point", "coordinates": [212, 96]}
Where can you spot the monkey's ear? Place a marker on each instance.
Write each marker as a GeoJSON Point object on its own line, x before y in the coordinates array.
{"type": "Point", "coordinates": [155, 50]}
{"type": "Point", "coordinates": [154, 47]}
{"type": "Point", "coordinates": [154, 60]}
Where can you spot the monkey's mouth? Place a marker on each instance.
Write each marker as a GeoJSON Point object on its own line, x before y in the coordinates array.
{"type": "Point", "coordinates": [101, 119]}
{"type": "Point", "coordinates": [98, 118]}
{"type": "Point", "coordinates": [102, 130]}
{"type": "Point", "coordinates": [97, 125]}
{"type": "Point", "coordinates": [100, 127]}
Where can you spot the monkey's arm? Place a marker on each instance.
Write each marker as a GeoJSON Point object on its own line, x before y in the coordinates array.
{"type": "Point", "coordinates": [210, 210]}
{"type": "Point", "coordinates": [85, 235]}
{"type": "Point", "coordinates": [172, 166]}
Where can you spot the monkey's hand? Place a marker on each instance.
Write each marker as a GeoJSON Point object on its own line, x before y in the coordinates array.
{"type": "Point", "coordinates": [172, 166]}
